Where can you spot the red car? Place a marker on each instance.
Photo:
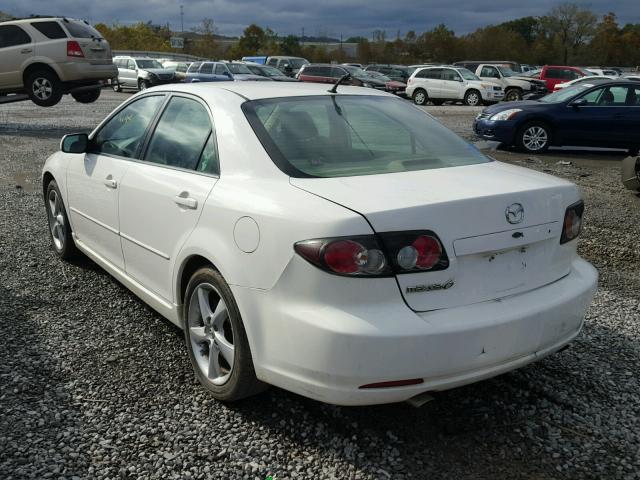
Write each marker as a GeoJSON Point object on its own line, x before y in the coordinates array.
{"type": "Point", "coordinates": [554, 74]}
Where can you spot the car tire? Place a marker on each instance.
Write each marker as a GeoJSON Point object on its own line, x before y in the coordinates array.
{"type": "Point", "coordinates": [60, 231]}
{"type": "Point", "coordinates": [472, 98]}
{"type": "Point", "coordinates": [142, 85]}
{"type": "Point", "coordinates": [420, 97]}
{"type": "Point", "coordinates": [116, 85]}
{"type": "Point", "coordinates": [534, 137]}
{"type": "Point", "coordinates": [212, 327]}
{"type": "Point", "coordinates": [89, 96]}
{"type": "Point", "coordinates": [513, 95]}
{"type": "Point", "coordinates": [44, 88]}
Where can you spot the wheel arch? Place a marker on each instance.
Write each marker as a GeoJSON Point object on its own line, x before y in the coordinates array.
{"type": "Point", "coordinates": [38, 66]}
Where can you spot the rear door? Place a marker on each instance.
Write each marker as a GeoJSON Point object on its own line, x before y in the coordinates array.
{"type": "Point", "coordinates": [53, 40]}
{"type": "Point", "coordinates": [16, 49]}
{"type": "Point", "coordinates": [162, 196]}
{"type": "Point", "coordinates": [94, 180]}
{"type": "Point", "coordinates": [432, 78]}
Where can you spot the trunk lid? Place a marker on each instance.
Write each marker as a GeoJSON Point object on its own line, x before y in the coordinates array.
{"type": "Point", "coordinates": [466, 207]}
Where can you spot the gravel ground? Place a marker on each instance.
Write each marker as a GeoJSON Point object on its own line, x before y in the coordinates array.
{"type": "Point", "coordinates": [93, 384]}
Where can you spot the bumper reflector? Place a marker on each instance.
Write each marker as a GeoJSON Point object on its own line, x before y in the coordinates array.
{"type": "Point", "coordinates": [394, 383]}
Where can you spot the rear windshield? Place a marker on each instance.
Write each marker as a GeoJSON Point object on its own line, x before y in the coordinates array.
{"type": "Point", "coordinates": [81, 30]}
{"type": "Point", "coordinates": [349, 135]}
{"type": "Point", "coordinates": [296, 62]}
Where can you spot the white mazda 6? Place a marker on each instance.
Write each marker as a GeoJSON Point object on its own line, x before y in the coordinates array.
{"type": "Point", "coordinates": [344, 246]}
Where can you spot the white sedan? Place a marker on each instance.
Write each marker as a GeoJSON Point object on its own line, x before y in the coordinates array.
{"type": "Point", "coordinates": [344, 246]}
{"type": "Point", "coordinates": [587, 79]}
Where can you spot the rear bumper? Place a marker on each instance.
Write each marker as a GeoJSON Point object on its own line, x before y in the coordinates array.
{"type": "Point", "coordinates": [326, 352]}
{"type": "Point", "coordinates": [81, 71]}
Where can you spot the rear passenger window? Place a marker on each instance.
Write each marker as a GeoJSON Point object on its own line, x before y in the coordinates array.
{"type": "Point", "coordinates": [433, 73]}
{"type": "Point", "coordinates": [554, 73]}
{"type": "Point", "coordinates": [207, 68]}
{"type": "Point", "coordinates": [209, 158]}
{"type": "Point", "coordinates": [179, 138]}
{"type": "Point", "coordinates": [12, 35]}
{"type": "Point", "coordinates": [50, 30]}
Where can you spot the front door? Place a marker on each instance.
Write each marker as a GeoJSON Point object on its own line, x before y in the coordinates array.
{"type": "Point", "coordinates": [162, 196]}
{"type": "Point", "coordinates": [452, 86]}
{"type": "Point", "coordinates": [16, 48]}
{"type": "Point", "coordinates": [94, 181]}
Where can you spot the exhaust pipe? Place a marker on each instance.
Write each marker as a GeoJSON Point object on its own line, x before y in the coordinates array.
{"type": "Point", "coordinates": [420, 400]}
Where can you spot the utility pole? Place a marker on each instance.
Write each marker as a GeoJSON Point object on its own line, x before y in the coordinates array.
{"type": "Point", "coordinates": [182, 18]}
{"type": "Point", "coordinates": [302, 38]}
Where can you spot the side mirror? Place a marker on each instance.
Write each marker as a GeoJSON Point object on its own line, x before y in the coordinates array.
{"type": "Point", "coordinates": [75, 143]}
{"type": "Point", "coordinates": [581, 102]}
{"type": "Point", "coordinates": [227, 74]}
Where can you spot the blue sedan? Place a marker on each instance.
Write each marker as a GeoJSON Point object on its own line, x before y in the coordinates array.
{"type": "Point", "coordinates": [587, 115]}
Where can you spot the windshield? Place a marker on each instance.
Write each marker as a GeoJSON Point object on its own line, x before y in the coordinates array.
{"type": "Point", "coordinates": [148, 64]}
{"type": "Point", "coordinates": [356, 72]}
{"type": "Point", "coordinates": [271, 71]}
{"type": "Point", "coordinates": [507, 72]}
{"type": "Point", "coordinates": [566, 93]}
{"type": "Point", "coordinates": [350, 135]}
{"type": "Point", "coordinates": [467, 74]}
{"type": "Point", "coordinates": [296, 62]}
{"type": "Point", "coordinates": [238, 68]}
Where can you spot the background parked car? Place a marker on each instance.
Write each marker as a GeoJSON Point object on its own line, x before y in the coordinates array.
{"type": "Point", "coordinates": [240, 72]}
{"type": "Point", "coordinates": [328, 73]}
{"type": "Point", "coordinates": [271, 73]}
{"type": "Point", "coordinates": [290, 66]}
{"type": "Point", "coordinates": [179, 69]}
{"type": "Point", "coordinates": [140, 73]}
{"type": "Point", "coordinates": [554, 74]}
{"type": "Point", "coordinates": [505, 64]}
{"type": "Point", "coordinates": [208, 72]}
{"type": "Point", "coordinates": [399, 73]}
{"type": "Point", "coordinates": [445, 83]}
{"type": "Point", "coordinates": [603, 115]}
{"type": "Point", "coordinates": [391, 86]}
{"type": "Point", "coordinates": [587, 79]}
{"type": "Point", "coordinates": [48, 57]}
{"type": "Point", "coordinates": [514, 85]}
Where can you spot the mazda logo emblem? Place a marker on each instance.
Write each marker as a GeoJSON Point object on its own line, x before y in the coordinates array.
{"type": "Point", "coordinates": [514, 213]}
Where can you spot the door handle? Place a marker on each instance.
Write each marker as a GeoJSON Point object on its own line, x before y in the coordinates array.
{"type": "Point", "coordinates": [26, 50]}
{"type": "Point", "coordinates": [109, 182]}
{"type": "Point", "coordinates": [184, 200]}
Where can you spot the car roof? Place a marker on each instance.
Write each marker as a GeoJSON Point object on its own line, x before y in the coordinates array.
{"type": "Point", "coordinates": [262, 90]}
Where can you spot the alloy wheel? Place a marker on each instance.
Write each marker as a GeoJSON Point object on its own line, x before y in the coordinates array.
{"type": "Point", "coordinates": [42, 88]}
{"type": "Point", "coordinates": [535, 138]}
{"type": "Point", "coordinates": [420, 98]}
{"type": "Point", "coordinates": [472, 99]}
{"type": "Point", "coordinates": [211, 334]}
{"type": "Point", "coordinates": [56, 220]}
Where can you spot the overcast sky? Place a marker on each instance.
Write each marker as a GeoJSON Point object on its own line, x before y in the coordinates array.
{"type": "Point", "coordinates": [332, 17]}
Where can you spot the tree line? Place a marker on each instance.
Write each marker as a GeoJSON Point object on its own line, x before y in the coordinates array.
{"type": "Point", "coordinates": [568, 34]}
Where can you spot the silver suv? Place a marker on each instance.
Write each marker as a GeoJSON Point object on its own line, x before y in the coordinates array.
{"type": "Point", "coordinates": [48, 57]}
{"type": "Point", "coordinates": [140, 73]}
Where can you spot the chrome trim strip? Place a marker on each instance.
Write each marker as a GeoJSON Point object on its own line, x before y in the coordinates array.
{"type": "Point", "coordinates": [97, 222]}
{"type": "Point", "coordinates": [146, 247]}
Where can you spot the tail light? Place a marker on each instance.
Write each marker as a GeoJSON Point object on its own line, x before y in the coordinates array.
{"type": "Point", "coordinates": [73, 49]}
{"type": "Point", "coordinates": [380, 255]}
{"type": "Point", "coordinates": [572, 225]}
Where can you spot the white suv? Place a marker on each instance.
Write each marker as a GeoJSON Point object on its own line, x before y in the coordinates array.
{"type": "Point", "coordinates": [48, 57]}
{"type": "Point", "coordinates": [443, 83]}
